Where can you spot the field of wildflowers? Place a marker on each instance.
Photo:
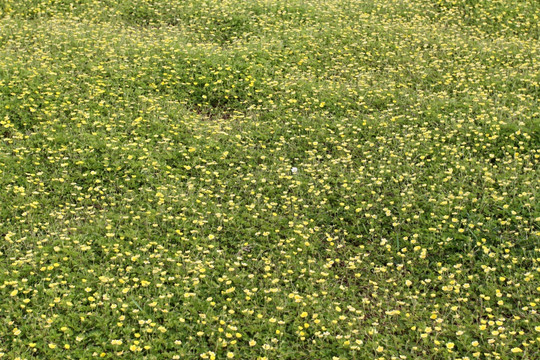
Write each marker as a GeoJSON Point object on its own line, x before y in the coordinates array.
{"type": "Point", "coordinates": [269, 179]}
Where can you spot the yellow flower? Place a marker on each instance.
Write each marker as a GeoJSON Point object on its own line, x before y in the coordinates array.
{"type": "Point", "coordinates": [516, 350]}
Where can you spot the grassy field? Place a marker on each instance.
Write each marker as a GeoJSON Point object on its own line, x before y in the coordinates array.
{"type": "Point", "coordinates": [269, 179]}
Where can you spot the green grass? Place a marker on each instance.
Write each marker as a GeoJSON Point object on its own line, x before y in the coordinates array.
{"type": "Point", "coordinates": [149, 210]}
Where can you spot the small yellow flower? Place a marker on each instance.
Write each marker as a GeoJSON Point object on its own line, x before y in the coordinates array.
{"type": "Point", "coordinates": [516, 350]}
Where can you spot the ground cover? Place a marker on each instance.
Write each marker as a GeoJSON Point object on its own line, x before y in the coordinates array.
{"type": "Point", "coordinates": [269, 179]}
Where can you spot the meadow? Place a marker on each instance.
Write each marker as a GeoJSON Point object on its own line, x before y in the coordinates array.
{"type": "Point", "coordinates": [269, 179]}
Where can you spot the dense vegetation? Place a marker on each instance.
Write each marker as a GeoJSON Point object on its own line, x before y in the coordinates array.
{"type": "Point", "coordinates": [269, 179]}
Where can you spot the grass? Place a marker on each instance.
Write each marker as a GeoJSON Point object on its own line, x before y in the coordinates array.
{"type": "Point", "coordinates": [150, 210]}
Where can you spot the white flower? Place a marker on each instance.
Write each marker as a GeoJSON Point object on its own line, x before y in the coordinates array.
{"type": "Point", "coordinates": [294, 170]}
